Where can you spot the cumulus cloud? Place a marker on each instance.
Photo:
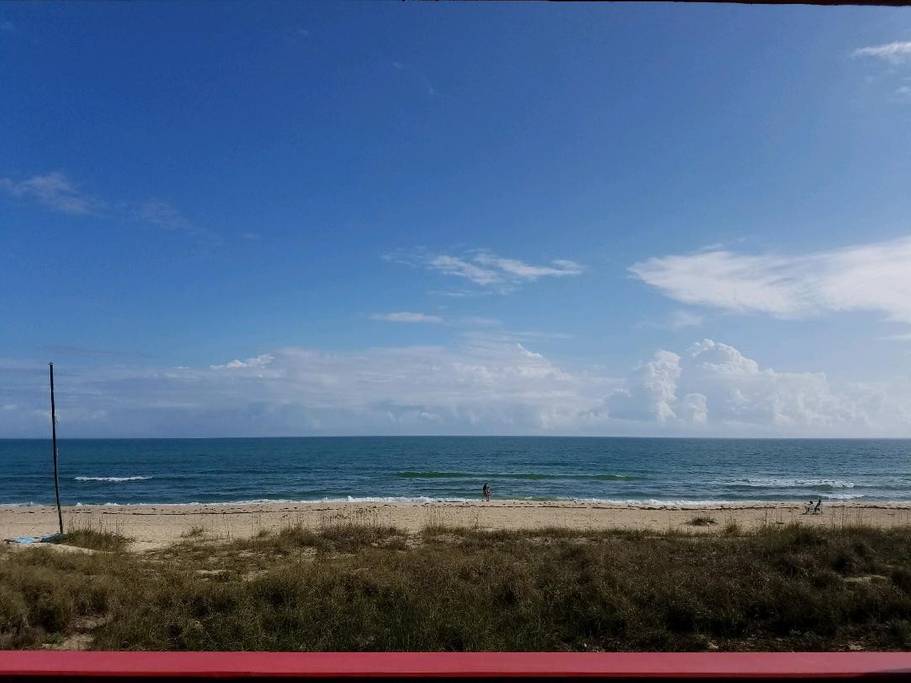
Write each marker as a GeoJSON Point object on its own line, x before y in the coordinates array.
{"type": "Point", "coordinates": [406, 317]}
{"type": "Point", "coordinates": [714, 384]}
{"type": "Point", "coordinates": [651, 392]}
{"type": "Point", "coordinates": [55, 191]}
{"type": "Point", "coordinates": [868, 277]}
{"type": "Point", "coordinates": [894, 53]}
{"type": "Point", "coordinates": [486, 270]}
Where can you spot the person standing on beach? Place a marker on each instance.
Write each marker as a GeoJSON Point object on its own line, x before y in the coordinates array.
{"type": "Point", "coordinates": [485, 491]}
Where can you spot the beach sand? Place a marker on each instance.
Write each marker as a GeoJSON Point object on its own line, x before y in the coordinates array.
{"type": "Point", "coordinates": [153, 526]}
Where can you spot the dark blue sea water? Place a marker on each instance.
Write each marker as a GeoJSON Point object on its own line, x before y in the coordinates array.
{"type": "Point", "coordinates": [672, 471]}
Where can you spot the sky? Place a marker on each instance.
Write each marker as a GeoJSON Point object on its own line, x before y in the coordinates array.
{"type": "Point", "coordinates": [265, 219]}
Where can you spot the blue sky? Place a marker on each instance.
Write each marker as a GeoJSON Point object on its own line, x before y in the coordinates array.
{"type": "Point", "coordinates": [303, 218]}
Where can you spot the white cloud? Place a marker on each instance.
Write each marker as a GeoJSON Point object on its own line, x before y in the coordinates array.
{"type": "Point", "coordinates": [53, 190]}
{"type": "Point", "coordinates": [524, 271]}
{"type": "Point", "coordinates": [487, 270]}
{"type": "Point", "coordinates": [261, 361]}
{"type": "Point", "coordinates": [406, 317]}
{"type": "Point", "coordinates": [56, 191]}
{"type": "Point", "coordinates": [451, 265]}
{"type": "Point", "coordinates": [868, 277]}
{"type": "Point", "coordinates": [894, 53]}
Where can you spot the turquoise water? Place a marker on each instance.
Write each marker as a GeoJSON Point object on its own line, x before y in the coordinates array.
{"type": "Point", "coordinates": [671, 471]}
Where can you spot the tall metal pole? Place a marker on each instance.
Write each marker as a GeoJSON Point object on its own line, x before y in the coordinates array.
{"type": "Point", "coordinates": [54, 445]}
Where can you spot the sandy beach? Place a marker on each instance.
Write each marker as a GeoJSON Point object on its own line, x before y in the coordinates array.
{"type": "Point", "coordinates": [153, 526]}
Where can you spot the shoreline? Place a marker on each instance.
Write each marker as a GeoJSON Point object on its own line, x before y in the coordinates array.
{"type": "Point", "coordinates": [426, 501]}
{"type": "Point", "coordinates": [152, 526]}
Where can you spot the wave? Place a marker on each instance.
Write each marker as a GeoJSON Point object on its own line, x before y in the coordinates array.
{"type": "Point", "coordinates": [775, 483]}
{"type": "Point", "coordinates": [435, 475]}
{"type": "Point", "coordinates": [530, 476]}
{"type": "Point", "coordinates": [696, 504]}
{"type": "Point", "coordinates": [112, 479]}
{"type": "Point", "coordinates": [673, 504]}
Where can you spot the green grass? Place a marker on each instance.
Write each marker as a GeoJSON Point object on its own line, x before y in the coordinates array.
{"type": "Point", "coordinates": [369, 587]}
{"type": "Point", "coordinates": [702, 521]}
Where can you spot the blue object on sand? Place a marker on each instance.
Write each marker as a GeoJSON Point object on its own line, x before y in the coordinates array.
{"type": "Point", "coordinates": [29, 540]}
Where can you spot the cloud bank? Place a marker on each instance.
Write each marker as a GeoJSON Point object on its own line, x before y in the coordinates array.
{"type": "Point", "coordinates": [487, 384]}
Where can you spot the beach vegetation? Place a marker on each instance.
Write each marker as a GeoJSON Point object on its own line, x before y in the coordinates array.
{"type": "Point", "coordinates": [732, 528]}
{"type": "Point", "coordinates": [372, 587]}
{"type": "Point", "coordinates": [195, 531]}
{"type": "Point", "coordinates": [93, 539]}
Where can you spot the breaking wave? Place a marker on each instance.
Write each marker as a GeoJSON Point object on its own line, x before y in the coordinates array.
{"type": "Point", "coordinates": [111, 479]}
{"type": "Point", "coordinates": [530, 476]}
{"type": "Point", "coordinates": [775, 483]}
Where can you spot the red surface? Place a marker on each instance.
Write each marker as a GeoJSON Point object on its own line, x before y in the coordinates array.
{"type": "Point", "coordinates": [419, 664]}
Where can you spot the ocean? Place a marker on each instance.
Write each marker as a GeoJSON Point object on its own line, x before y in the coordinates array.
{"type": "Point", "coordinates": [674, 472]}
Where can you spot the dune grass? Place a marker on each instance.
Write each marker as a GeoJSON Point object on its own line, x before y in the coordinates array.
{"type": "Point", "coordinates": [94, 535]}
{"type": "Point", "coordinates": [369, 587]}
{"type": "Point", "coordinates": [94, 539]}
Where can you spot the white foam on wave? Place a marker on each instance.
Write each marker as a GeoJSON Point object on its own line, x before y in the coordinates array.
{"type": "Point", "coordinates": [345, 499]}
{"type": "Point", "coordinates": [112, 479]}
{"type": "Point", "coordinates": [396, 499]}
{"type": "Point", "coordinates": [676, 504]}
{"type": "Point", "coordinates": [776, 483]}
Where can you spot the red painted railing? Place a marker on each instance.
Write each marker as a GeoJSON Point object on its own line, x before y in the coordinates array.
{"type": "Point", "coordinates": [654, 666]}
